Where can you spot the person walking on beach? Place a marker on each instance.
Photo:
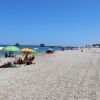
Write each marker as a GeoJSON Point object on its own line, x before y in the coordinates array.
{"type": "Point", "coordinates": [81, 50]}
{"type": "Point", "coordinates": [62, 48]}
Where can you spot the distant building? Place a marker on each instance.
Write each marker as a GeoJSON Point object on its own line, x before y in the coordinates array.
{"type": "Point", "coordinates": [87, 46]}
{"type": "Point", "coordinates": [96, 45]}
{"type": "Point", "coordinates": [17, 44]}
{"type": "Point", "coordinates": [42, 45]}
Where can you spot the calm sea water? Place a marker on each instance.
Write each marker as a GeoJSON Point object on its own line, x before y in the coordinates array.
{"type": "Point", "coordinates": [40, 49]}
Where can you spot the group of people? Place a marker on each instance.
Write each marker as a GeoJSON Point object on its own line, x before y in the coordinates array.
{"type": "Point", "coordinates": [27, 60]}
{"type": "Point", "coordinates": [10, 54]}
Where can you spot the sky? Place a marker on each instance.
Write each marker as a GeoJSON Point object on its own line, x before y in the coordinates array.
{"type": "Point", "coordinates": [53, 22]}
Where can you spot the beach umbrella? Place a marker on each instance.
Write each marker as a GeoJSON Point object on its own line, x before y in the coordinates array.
{"type": "Point", "coordinates": [11, 48]}
{"type": "Point", "coordinates": [26, 50]}
{"type": "Point", "coordinates": [33, 52]}
{"type": "Point", "coordinates": [1, 48]}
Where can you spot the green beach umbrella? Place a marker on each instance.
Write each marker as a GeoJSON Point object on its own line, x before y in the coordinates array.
{"type": "Point", "coordinates": [1, 48]}
{"type": "Point", "coordinates": [33, 52]}
{"type": "Point", "coordinates": [11, 48]}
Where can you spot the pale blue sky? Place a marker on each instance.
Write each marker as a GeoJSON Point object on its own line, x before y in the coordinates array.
{"type": "Point", "coordinates": [55, 22]}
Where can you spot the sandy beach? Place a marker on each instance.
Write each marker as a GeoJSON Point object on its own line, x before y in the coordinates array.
{"type": "Point", "coordinates": [67, 75]}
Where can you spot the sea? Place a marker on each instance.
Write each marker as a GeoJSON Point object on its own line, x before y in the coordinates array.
{"type": "Point", "coordinates": [39, 49]}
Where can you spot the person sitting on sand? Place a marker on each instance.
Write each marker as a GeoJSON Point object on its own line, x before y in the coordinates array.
{"type": "Point", "coordinates": [6, 55]}
{"type": "Point", "coordinates": [26, 59]}
{"type": "Point", "coordinates": [33, 57]}
{"type": "Point", "coordinates": [21, 61]}
{"type": "Point", "coordinates": [10, 53]}
{"type": "Point", "coordinates": [17, 62]}
{"type": "Point", "coordinates": [30, 58]}
{"type": "Point", "coordinates": [29, 61]}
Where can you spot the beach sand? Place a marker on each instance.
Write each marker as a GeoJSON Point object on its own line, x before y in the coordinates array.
{"type": "Point", "coordinates": [67, 75]}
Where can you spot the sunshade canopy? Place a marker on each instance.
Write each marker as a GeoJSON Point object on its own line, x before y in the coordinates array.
{"type": "Point", "coordinates": [26, 50]}
{"type": "Point", "coordinates": [33, 52]}
{"type": "Point", "coordinates": [11, 48]}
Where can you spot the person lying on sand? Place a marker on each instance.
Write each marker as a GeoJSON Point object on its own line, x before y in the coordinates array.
{"type": "Point", "coordinates": [7, 65]}
{"type": "Point", "coordinates": [19, 61]}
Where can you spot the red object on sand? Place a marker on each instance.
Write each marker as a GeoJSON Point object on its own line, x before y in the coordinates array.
{"type": "Point", "coordinates": [50, 51]}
